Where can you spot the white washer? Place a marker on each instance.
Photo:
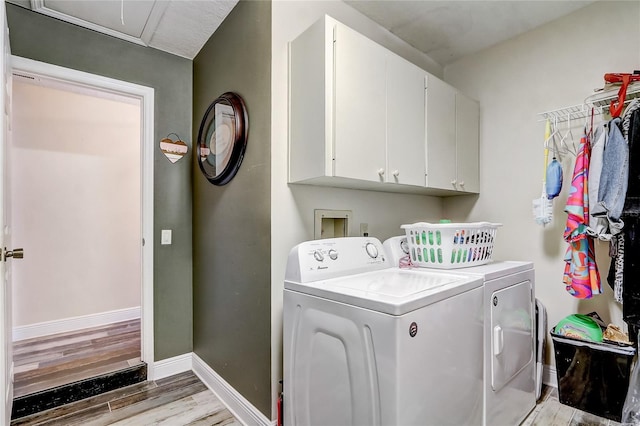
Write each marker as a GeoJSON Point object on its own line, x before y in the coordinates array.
{"type": "Point", "coordinates": [367, 344]}
{"type": "Point", "coordinates": [509, 334]}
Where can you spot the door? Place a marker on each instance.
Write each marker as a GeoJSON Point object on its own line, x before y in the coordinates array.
{"type": "Point", "coordinates": [467, 143]}
{"type": "Point", "coordinates": [6, 354]}
{"type": "Point", "coordinates": [359, 144]}
{"type": "Point", "coordinates": [441, 134]}
{"type": "Point", "coordinates": [405, 122]}
{"type": "Point", "coordinates": [144, 97]}
{"type": "Point", "coordinates": [511, 333]}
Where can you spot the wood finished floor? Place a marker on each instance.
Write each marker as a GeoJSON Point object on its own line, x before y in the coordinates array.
{"type": "Point", "coordinates": [184, 400]}
{"type": "Point", "coordinates": [43, 363]}
{"type": "Point", "coordinates": [550, 412]}
{"type": "Point", "coordinates": [50, 361]}
{"type": "Point", "coordinates": [173, 401]}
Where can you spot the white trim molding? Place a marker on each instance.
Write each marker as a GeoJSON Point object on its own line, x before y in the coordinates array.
{"type": "Point", "coordinates": [175, 365]}
{"type": "Point", "coordinates": [146, 96]}
{"type": "Point", "coordinates": [241, 408]}
{"type": "Point", "coordinates": [65, 325]}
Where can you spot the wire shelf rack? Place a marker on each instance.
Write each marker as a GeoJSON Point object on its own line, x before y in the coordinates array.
{"type": "Point", "coordinates": [599, 101]}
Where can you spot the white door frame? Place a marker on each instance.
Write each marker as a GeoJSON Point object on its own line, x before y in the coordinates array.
{"type": "Point", "coordinates": [146, 97]}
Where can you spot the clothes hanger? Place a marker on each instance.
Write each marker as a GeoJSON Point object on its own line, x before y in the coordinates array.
{"type": "Point", "coordinates": [563, 140]}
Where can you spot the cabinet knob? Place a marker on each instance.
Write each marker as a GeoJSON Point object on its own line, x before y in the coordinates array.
{"type": "Point", "coordinates": [396, 173]}
{"type": "Point", "coordinates": [461, 183]}
{"type": "Point", "coordinates": [380, 172]}
{"type": "Point", "coordinates": [454, 182]}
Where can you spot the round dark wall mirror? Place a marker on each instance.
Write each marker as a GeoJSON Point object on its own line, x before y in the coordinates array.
{"type": "Point", "coordinates": [222, 138]}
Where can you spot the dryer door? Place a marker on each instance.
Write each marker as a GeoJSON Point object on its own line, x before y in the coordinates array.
{"type": "Point", "coordinates": [511, 332]}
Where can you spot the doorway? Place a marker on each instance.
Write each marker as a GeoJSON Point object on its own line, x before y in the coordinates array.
{"type": "Point", "coordinates": [133, 270]}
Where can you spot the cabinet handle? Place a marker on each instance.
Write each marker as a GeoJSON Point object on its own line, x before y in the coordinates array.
{"type": "Point", "coordinates": [396, 173]}
{"type": "Point", "coordinates": [381, 172]}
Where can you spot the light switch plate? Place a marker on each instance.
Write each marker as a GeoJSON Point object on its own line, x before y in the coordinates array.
{"type": "Point", "coordinates": [165, 237]}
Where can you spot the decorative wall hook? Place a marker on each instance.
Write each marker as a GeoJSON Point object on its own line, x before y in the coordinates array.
{"type": "Point", "coordinates": [173, 149]}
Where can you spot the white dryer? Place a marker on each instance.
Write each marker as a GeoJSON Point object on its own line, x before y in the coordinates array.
{"type": "Point", "coordinates": [509, 334]}
{"type": "Point", "coordinates": [367, 344]}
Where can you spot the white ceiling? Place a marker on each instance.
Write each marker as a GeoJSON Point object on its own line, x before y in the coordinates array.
{"type": "Point", "coordinates": [444, 30]}
{"type": "Point", "coordinates": [180, 27]}
{"type": "Point", "coordinates": [448, 30]}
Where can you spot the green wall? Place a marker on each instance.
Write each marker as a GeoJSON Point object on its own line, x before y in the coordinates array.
{"type": "Point", "coordinates": [232, 241]}
{"type": "Point", "coordinates": [45, 39]}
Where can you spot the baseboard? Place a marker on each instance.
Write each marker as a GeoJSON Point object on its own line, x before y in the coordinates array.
{"type": "Point", "coordinates": [170, 366]}
{"type": "Point", "coordinates": [549, 376]}
{"type": "Point", "coordinates": [65, 325]}
{"type": "Point", "coordinates": [241, 408]}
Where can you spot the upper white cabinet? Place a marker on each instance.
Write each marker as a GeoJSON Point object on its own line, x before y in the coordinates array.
{"type": "Point", "coordinates": [357, 115]}
{"type": "Point", "coordinates": [467, 144]}
{"type": "Point", "coordinates": [359, 99]}
{"type": "Point", "coordinates": [405, 122]}
{"type": "Point", "coordinates": [441, 134]}
{"type": "Point", "coordinates": [452, 141]}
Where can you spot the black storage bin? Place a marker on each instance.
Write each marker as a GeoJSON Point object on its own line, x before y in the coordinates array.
{"type": "Point", "coordinates": [593, 377]}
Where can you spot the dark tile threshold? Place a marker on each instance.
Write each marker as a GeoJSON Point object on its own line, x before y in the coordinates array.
{"type": "Point", "coordinates": [61, 395]}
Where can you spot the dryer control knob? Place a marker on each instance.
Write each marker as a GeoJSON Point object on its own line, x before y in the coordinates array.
{"type": "Point", "coordinates": [372, 250]}
{"type": "Point", "coordinates": [318, 255]}
{"type": "Point", "coordinates": [333, 255]}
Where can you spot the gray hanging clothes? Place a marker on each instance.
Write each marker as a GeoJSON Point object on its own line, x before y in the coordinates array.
{"type": "Point", "coordinates": [598, 225]}
{"type": "Point", "coordinates": [612, 188]}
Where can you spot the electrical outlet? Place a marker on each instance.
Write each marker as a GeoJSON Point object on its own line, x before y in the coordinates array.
{"type": "Point", "coordinates": [364, 229]}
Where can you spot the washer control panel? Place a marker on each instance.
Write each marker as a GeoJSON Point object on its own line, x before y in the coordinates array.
{"type": "Point", "coordinates": [335, 257]}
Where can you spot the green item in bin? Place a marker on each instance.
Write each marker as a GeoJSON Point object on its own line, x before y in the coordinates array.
{"type": "Point", "coordinates": [445, 221]}
{"type": "Point", "coordinates": [581, 327]}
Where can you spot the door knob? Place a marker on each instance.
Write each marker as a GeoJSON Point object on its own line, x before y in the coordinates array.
{"type": "Point", "coordinates": [15, 253]}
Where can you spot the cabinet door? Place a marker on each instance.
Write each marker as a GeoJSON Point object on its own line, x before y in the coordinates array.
{"type": "Point", "coordinates": [467, 143]}
{"type": "Point", "coordinates": [405, 122]}
{"type": "Point", "coordinates": [359, 107]}
{"type": "Point", "coordinates": [441, 134]}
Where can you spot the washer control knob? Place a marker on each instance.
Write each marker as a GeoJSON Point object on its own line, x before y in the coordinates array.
{"type": "Point", "coordinates": [333, 255]}
{"type": "Point", "coordinates": [404, 246]}
{"type": "Point", "coordinates": [372, 250]}
{"type": "Point", "coordinates": [318, 255]}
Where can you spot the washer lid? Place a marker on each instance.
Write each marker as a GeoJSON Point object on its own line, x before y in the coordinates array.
{"type": "Point", "coordinates": [497, 269]}
{"type": "Point", "coordinates": [393, 291]}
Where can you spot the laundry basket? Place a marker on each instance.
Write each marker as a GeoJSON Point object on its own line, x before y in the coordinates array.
{"type": "Point", "coordinates": [450, 245]}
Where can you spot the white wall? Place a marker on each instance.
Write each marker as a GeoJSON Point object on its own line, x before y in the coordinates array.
{"type": "Point", "coordinates": [75, 182]}
{"type": "Point", "coordinates": [293, 205]}
{"type": "Point", "coordinates": [556, 65]}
